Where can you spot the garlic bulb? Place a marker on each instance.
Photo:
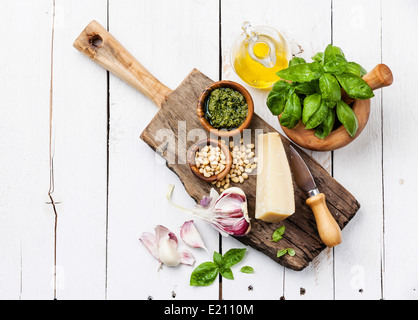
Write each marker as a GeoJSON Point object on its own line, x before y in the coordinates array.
{"type": "Point", "coordinates": [227, 212]}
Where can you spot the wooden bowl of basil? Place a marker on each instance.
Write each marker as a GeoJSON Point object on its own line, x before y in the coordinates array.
{"type": "Point", "coordinates": [325, 105]}
{"type": "Point", "coordinates": [232, 106]}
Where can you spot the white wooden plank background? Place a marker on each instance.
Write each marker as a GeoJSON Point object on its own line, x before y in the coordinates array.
{"type": "Point", "coordinates": [69, 139]}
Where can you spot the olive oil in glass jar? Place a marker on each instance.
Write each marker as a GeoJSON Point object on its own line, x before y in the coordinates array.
{"type": "Point", "coordinates": [258, 54]}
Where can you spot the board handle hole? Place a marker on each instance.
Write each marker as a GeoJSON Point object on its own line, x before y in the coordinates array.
{"type": "Point", "coordinates": [96, 40]}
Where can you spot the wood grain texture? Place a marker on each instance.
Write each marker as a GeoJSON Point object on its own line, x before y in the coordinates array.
{"type": "Point", "coordinates": [377, 258]}
{"type": "Point", "coordinates": [100, 46]}
{"type": "Point", "coordinates": [301, 233]}
{"type": "Point", "coordinates": [80, 156]}
{"type": "Point", "coordinates": [138, 178]}
{"type": "Point", "coordinates": [400, 152]}
{"type": "Point", "coordinates": [26, 215]}
{"type": "Point", "coordinates": [305, 40]}
{"type": "Point", "coordinates": [359, 259]}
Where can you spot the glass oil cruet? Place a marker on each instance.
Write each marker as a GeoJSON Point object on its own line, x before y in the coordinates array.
{"type": "Point", "coordinates": [258, 54]}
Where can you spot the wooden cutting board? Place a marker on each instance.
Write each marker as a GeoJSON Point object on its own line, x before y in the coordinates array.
{"type": "Point", "coordinates": [168, 132]}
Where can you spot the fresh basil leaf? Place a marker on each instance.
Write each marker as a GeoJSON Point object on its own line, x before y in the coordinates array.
{"type": "Point", "coordinates": [306, 88]}
{"type": "Point", "coordinates": [320, 131]}
{"type": "Point", "coordinates": [232, 257]}
{"type": "Point", "coordinates": [226, 272]}
{"type": "Point", "coordinates": [276, 102]}
{"type": "Point", "coordinates": [278, 233]}
{"type": "Point", "coordinates": [330, 88]}
{"type": "Point", "coordinates": [318, 116]}
{"type": "Point", "coordinates": [355, 86]}
{"type": "Point", "coordinates": [310, 105]}
{"type": "Point", "coordinates": [276, 99]}
{"type": "Point", "coordinates": [303, 72]}
{"type": "Point", "coordinates": [291, 252]}
{"type": "Point", "coordinates": [204, 274]}
{"type": "Point", "coordinates": [296, 60]}
{"type": "Point", "coordinates": [330, 104]}
{"type": "Point", "coordinates": [276, 237]}
{"type": "Point", "coordinates": [327, 125]}
{"type": "Point", "coordinates": [319, 57]}
{"type": "Point", "coordinates": [317, 67]}
{"type": "Point", "coordinates": [281, 86]}
{"type": "Point", "coordinates": [347, 117]}
{"type": "Point", "coordinates": [336, 66]}
{"type": "Point", "coordinates": [281, 253]}
{"type": "Point", "coordinates": [355, 69]}
{"type": "Point", "coordinates": [217, 258]}
{"type": "Point", "coordinates": [332, 52]}
{"type": "Point", "coordinates": [292, 112]}
{"type": "Point", "coordinates": [247, 269]}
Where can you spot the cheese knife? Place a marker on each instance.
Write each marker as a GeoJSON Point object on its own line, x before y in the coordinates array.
{"type": "Point", "coordinates": [328, 229]}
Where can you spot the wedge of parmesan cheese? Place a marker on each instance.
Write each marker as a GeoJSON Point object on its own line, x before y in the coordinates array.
{"type": "Point", "coordinates": [275, 199]}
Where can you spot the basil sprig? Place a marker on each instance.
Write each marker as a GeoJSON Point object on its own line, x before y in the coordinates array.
{"type": "Point", "coordinates": [247, 269]}
{"type": "Point", "coordinates": [206, 273]}
{"type": "Point", "coordinates": [310, 92]}
{"type": "Point", "coordinates": [278, 234]}
{"type": "Point", "coordinates": [291, 252]}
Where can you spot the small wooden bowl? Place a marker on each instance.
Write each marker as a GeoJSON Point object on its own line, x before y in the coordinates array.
{"type": "Point", "coordinates": [381, 76]}
{"type": "Point", "coordinates": [201, 144]}
{"type": "Point", "coordinates": [202, 101]}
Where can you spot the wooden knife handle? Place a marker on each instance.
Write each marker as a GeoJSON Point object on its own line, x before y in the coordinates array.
{"type": "Point", "coordinates": [100, 46]}
{"type": "Point", "coordinates": [328, 229]}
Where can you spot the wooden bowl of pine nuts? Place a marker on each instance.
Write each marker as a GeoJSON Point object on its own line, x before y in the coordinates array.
{"type": "Point", "coordinates": [210, 160]}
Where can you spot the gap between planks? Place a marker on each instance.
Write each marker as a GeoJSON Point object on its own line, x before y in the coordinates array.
{"type": "Point", "coordinates": [107, 160]}
{"type": "Point", "coordinates": [51, 152]}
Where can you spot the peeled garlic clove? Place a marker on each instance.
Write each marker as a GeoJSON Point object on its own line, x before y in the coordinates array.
{"type": "Point", "coordinates": [163, 247]}
{"type": "Point", "coordinates": [191, 236]}
{"type": "Point", "coordinates": [168, 253]}
{"type": "Point", "coordinates": [167, 246]}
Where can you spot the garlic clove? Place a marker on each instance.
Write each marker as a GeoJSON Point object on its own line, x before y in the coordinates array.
{"type": "Point", "coordinates": [232, 212]}
{"type": "Point", "coordinates": [186, 257]}
{"type": "Point", "coordinates": [167, 246]}
{"type": "Point", "coordinates": [167, 250]}
{"type": "Point", "coordinates": [150, 242]}
{"type": "Point", "coordinates": [163, 234]}
{"type": "Point", "coordinates": [235, 227]}
{"type": "Point", "coordinates": [191, 236]}
{"type": "Point", "coordinates": [208, 202]}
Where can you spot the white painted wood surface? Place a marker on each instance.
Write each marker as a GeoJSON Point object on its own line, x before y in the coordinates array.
{"type": "Point", "coordinates": [69, 139]}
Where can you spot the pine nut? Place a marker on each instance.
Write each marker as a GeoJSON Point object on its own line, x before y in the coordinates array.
{"type": "Point", "coordinates": [235, 179]}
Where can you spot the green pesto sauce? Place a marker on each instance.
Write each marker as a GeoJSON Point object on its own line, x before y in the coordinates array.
{"type": "Point", "coordinates": [226, 108]}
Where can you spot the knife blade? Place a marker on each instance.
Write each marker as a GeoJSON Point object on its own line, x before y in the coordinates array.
{"type": "Point", "coordinates": [328, 229]}
{"type": "Point", "coordinates": [302, 174]}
